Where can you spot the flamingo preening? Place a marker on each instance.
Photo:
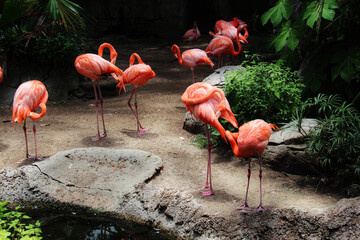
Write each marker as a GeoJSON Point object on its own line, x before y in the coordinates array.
{"type": "Point", "coordinates": [208, 103]}
{"type": "Point", "coordinates": [95, 67]}
{"type": "Point", "coordinates": [137, 75]}
{"type": "Point", "coordinates": [28, 97]}
{"type": "Point", "coordinates": [252, 137]}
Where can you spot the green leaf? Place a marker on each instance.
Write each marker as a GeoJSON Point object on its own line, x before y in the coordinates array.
{"type": "Point", "coordinates": [283, 9]}
{"type": "Point", "coordinates": [349, 67]}
{"type": "Point", "coordinates": [312, 13]}
{"type": "Point", "coordinates": [328, 14]}
{"type": "Point", "coordinates": [346, 63]}
{"type": "Point", "coordinates": [288, 35]}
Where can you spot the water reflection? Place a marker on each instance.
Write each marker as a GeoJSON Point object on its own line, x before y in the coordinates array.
{"type": "Point", "coordinates": [85, 228]}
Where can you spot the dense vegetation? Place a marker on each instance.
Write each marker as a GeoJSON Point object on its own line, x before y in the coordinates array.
{"type": "Point", "coordinates": [15, 225]}
{"type": "Point", "coordinates": [265, 90]}
{"type": "Point", "coordinates": [47, 32]}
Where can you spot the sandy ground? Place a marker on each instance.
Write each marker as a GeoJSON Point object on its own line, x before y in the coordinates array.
{"type": "Point", "coordinates": [72, 123]}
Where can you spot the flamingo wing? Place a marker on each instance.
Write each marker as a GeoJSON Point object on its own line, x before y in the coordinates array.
{"type": "Point", "coordinates": [28, 97]}
{"type": "Point", "coordinates": [254, 137]}
{"type": "Point", "coordinates": [219, 46]}
{"type": "Point", "coordinates": [139, 74]}
{"type": "Point", "coordinates": [195, 57]}
{"type": "Point", "coordinates": [210, 108]}
{"type": "Point", "coordinates": [93, 66]}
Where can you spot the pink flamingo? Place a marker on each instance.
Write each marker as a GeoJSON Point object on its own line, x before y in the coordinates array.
{"type": "Point", "coordinates": [192, 35]}
{"type": "Point", "coordinates": [237, 22]}
{"type": "Point", "coordinates": [137, 75]}
{"type": "Point", "coordinates": [220, 25]}
{"type": "Point", "coordinates": [229, 29]}
{"type": "Point", "coordinates": [252, 137]}
{"type": "Point", "coordinates": [207, 103]}
{"type": "Point", "coordinates": [230, 32]}
{"type": "Point", "coordinates": [1, 75]}
{"type": "Point", "coordinates": [192, 58]}
{"type": "Point", "coordinates": [95, 67]}
{"type": "Point", "coordinates": [221, 46]}
{"type": "Point", "coordinates": [28, 97]}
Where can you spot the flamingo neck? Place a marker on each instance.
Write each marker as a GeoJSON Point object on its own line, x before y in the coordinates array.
{"type": "Point", "coordinates": [176, 50]}
{"type": "Point", "coordinates": [113, 53]}
{"type": "Point", "coordinates": [190, 101]}
{"type": "Point", "coordinates": [132, 58]}
{"type": "Point", "coordinates": [238, 43]}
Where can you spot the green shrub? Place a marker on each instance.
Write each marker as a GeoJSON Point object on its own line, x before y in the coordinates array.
{"type": "Point", "coordinates": [13, 225]}
{"type": "Point", "coordinates": [265, 90]}
{"type": "Point", "coordinates": [335, 140]}
{"type": "Point", "coordinates": [57, 47]}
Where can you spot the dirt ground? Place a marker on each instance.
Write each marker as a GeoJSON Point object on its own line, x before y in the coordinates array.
{"type": "Point", "coordinates": [71, 124]}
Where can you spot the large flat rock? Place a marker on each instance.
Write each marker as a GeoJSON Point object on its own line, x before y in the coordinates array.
{"type": "Point", "coordinates": [117, 170]}
{"type": "Point", "coordinates": [92, 177]}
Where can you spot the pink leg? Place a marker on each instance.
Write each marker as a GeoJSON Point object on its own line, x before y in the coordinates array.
{"type": "Point", "coordinates": [245, 205]}
{"type": "Point", "coordinates": [208, 173]}
{"type": "Point", "coordinates": [260, 208]}
{"type": "Point", "coordinates": [102, 112]}
{"type": "Point", "coordinates": [26, 141]}
{"type": "Point", "coordinates": [98, 137]}
{"type": "Point", "coordinates": [140, 129]}
{"type": "Point", "coordinates": [193, 74]}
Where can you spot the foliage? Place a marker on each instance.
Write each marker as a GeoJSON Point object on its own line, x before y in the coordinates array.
{"type": "Point", "coordinates": [335, 140]}
{"type": "Point", "coordinates": [68, 12]}
{"type": "Point", "coordinates": [58, 47]}
{"type": "Point", "coordinates": [40, 12]}
{"type": "Point", "coordinates": [318, 37]}
{"type": "Point", "coordinates": [13, 225]}
{"type": "Point", "coordinates": [200, 141]}
{"type": "Point", "coordinates": [265, 90]}
{"type": "Point", "coordinates": [45, 30]}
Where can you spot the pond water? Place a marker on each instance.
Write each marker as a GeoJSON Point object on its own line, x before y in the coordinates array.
{"type": "Point", "coordinates": [77, 226]}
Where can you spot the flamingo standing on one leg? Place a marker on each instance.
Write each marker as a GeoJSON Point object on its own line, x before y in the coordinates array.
{"type": "Point", "coordinates": [207, 103]}
{"type": "Point", "coordinates": [137, 75]}
{"type": "Point", "coordinates": [221, 46]}
{"type": "Point", "coordinates": [28, 97]}
{"type": "Point", "coordinates": [253, 137]}
{"type": "Point", "coordinates": [192, 58]}
{"type": "Point", "coordinates": [1, 74]}
{"type": "Point", "coordinates": [95, 67]}
{"type": "Point", "coordinates": [192, 35]}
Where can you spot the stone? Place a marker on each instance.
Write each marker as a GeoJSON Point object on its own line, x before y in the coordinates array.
{"type": "Point", "coordinates": [192, 125]}
{"type": "Point", "coordinates": [126, 192]}
{"type": "Point", "coordinates": [286, 150]}
{"type": "Point", "coordinates": [217, 78]}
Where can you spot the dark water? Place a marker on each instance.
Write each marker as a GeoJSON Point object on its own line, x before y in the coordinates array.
{"type": "Point", "coordinates": [75, 226]}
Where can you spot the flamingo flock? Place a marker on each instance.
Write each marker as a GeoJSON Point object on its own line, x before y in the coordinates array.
{"type": "Point", "coordinates": [204, 101]}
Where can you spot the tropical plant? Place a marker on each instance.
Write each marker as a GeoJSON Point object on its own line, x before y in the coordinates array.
{"type": "Point", "coordinates": [317, 36]}
{"type": "Point", "coordinates": [335, 140]}
{"type": "Point", "coordinates": [266, 90]}
{"type": "Point", "coordinates": [14, 225]}
{"type": "Point", "coordinates": [23, 22]}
